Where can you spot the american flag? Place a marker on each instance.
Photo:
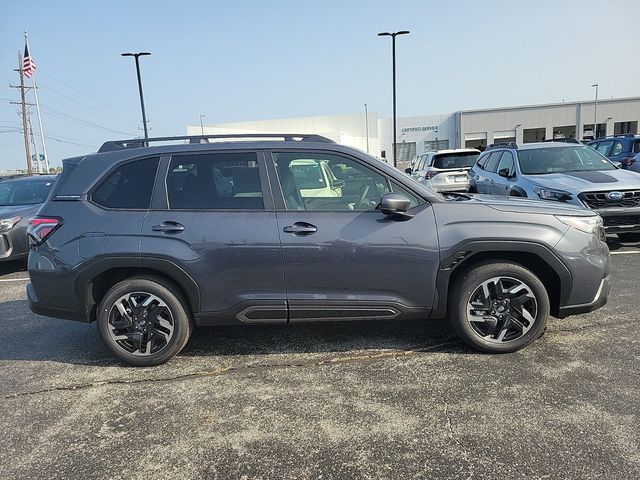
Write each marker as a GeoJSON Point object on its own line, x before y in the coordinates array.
{"type": "Point", "coordinates": [28, 65]}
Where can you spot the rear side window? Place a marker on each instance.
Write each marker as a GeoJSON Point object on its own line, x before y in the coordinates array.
{"type": "Point", "coordinates": [215, 181]}
{"type": "Point", "coordinates": [128, 186]}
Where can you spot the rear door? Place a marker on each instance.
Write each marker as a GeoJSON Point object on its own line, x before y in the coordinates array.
{"type": "Point", "coordinates": [343, 259]}
{"type": "Point", "coordinates": [212, 217]}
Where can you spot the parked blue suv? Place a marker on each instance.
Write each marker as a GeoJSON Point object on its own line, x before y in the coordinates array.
{"type": "Point", "coordinates": [619, 148]}
{"type": "Point", "coordinates": [563, 172]}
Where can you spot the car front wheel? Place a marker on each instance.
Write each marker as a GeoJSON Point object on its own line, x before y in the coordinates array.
{"type": "Point", "coordinates": [144, 321]}
{"type": "Point", "coordinates": [499, 307]}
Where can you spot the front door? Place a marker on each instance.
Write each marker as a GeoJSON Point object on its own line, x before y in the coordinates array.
{"type": "Point", "coordinates": [343, 259]}
{"type": "Point", "coordinates": [213, 217]}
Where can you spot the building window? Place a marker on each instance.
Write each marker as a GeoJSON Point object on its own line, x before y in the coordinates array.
{"type": "Point", "coordinates": [622, 128]}
{"type": "Point", "coordinates": [587, 131]}
{"type": "Point", "coordinates": [504, 136]}
{"type": "Point", "coordinates": [531, 135]}
{"type": "Point", "coordinates": [435, 145]}
{"type": "Point", "coordinates": [475, 140]}
{"type": "Point", "coordinates": [568, 131]}
{"type": "Point", "coordinates": [405, 151]}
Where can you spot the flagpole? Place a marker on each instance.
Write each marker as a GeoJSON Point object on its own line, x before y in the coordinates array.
{"type": "Point", "coordinates": [35, 93]}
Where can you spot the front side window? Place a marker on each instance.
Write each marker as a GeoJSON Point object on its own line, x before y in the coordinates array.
{"type": "Point", "coordinates": [129, 186]}
{"type": "Point", "coordinates": [328, 182]}
{"type": "Point", "coordinates": [617, 148]}
{"type": "Point", "coordinates": [603, 147]}
{"type": "Point", "coordinates": [214, 181]}
{"type": "Point", "coordinates": [561, 159]}
{"type": "Point", "coordinates": [506, 163]}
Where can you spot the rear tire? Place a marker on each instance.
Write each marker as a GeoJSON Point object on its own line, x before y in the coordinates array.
{"type": "Point", "coordinates": [498, 307]}
{"type": "Point", "coordinates": [144, 321]}
{"type": "Point", "coordinates": [629, 237]}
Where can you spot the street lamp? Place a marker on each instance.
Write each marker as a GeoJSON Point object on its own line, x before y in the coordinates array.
{"type": "Point", "coordinates": [144, 115]}
{"type": "Point", "coordinates": [393, 59]}
{"type": "Point", "coordinates": [201, 126]}
{"type": "Point", "coordinates": [595, 111]}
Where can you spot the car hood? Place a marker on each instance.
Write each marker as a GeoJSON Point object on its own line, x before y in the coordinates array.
{"type": "Point", "coordinates": [525, 205]}
{"type": "Point", "coordinates": [588, 181]}
{"type": "Point", "coordinates": [15, 210]}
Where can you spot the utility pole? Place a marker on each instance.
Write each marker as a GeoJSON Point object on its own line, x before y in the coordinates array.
{"type": "Point", "coordinates": [201, 125]}
{"type": "Point", "coordinates": [33, 143]}
{"type": "Point", "coordinates": [23, 102]}
{"type": "Point", "coordinates": [595, 113]}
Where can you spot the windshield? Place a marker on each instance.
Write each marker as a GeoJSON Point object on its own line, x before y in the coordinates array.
{"type": "Point", "coordinates": [455, 160]}
{"type": "Point", "coordinates": [562, 159]}
{"type": "Point", "coordinates": [24, 192]}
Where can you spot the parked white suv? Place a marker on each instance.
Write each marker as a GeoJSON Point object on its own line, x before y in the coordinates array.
{"type": "Point", "coordinates": [444, 170]}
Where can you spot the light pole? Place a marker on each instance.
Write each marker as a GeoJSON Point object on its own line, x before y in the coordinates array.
{"type": "Point", "coordinates": [595, 112]}
{"type": "Point", "coordinates": [393, 59]}
{"type": "Point", "coordinates": [144, 115]}
{"type": "Point", "coordinates": [366, 124]}
{"type": "Point", "coordinates": [201, 126]}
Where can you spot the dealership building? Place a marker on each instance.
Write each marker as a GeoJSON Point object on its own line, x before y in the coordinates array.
{"type": "Point", "coordinates": [465, 128]}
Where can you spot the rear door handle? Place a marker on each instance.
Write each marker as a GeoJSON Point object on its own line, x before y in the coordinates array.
{"type": "Point", "coordinates": [168, 227]}
{"type": "Point", "coordinates": [300, 228]}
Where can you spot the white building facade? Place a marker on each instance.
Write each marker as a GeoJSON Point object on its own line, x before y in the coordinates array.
{"type": "Point", "coordinates": [466, 128]}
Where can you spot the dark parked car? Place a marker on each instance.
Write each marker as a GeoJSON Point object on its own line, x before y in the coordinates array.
{"type": "Point", "coordinates": [563, 172]}
{"type": "Point", "coordinates": [151, 241]}
{"type": "Point", "coordinates": [619, 148]}
{"type": "Point", "coordinates": [20, 199]}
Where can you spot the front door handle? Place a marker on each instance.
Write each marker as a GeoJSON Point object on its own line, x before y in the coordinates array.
{"type": "Point", "coordinates": [300, 228]}
{"type": "Point", "coordinates": [168, 227]}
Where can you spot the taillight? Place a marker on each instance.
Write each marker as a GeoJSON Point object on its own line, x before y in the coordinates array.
{"type": "Point", "coordinates": [627, 162]}
{"type": "Point", "coordinates": [41, 228]}
{"type": "Point", "coordinates": [430, 174]}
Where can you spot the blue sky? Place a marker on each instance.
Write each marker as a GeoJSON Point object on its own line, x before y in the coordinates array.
{"type": "Point", "coordinates": [247, 60]}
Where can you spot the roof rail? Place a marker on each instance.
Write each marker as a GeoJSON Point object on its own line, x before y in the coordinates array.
{"type": "Point", "coordinates": [563, 140]}
{"type": "Point", "coordinates": [144, 142]}
{"type": "Point", "coordinates": [513, 145]}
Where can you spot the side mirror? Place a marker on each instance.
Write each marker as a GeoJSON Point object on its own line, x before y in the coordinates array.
{"type": "Point", "coordinates": [395, 205]}
{"type": "Point", "coordinates": [338, 183]}
{"type": "Point", "coordinates": [408, 170]}
{"type": "Point", "coordinates": [504, 172]}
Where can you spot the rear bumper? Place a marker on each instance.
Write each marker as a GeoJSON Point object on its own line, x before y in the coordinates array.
{"type": "Point", "coordinates": [600, 299]}
{"type": "Point", "coordinates": [40, 308]}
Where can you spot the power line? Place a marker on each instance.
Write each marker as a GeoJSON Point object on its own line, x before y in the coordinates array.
{"type": "Point", "coordinates": [71, 118]}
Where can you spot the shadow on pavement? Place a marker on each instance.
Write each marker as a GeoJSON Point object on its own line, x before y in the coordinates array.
{"type": "Point", "coordinates": [27, 336]}
{"type": "Point", "coordinates": [13, 266]}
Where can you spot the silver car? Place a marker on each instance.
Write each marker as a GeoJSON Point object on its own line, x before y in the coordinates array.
{"type": "Point", "coordinates": [444, 170]}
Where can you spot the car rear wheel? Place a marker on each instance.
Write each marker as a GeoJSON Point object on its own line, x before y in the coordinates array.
{"type": "Point", "coordinates": [629, 237]}
{"type": "Point", "coordinates": [144, 321]}
{"type": "Point", "coordinates": [499, 307]}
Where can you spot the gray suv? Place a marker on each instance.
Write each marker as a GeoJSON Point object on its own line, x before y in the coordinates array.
{"type": "Point", "coordinates": [566, 173]}
{"type": "Point", "coordinates": [150, 241]}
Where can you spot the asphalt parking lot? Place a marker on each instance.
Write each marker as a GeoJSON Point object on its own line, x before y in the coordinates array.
{"type": "Point", "coordinates": [379, 400]}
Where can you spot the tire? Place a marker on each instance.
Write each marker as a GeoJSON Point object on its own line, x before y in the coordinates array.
{"type": "Point", "coordinates": [480, 321]}
{"type": "Point", "coordinates": [629, 237]}
{"type": "Point", "coordinates": [139, 335]}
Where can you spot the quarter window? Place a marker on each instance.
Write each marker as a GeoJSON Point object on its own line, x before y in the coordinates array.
{"type": "Point", "coordinates": [129, 186]}
{"type": "Point", "coordinates": [214, 181]}
{"type": "Point", "coordinates": [327, 182]}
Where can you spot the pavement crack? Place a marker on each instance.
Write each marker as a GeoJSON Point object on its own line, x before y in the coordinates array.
{"type": "Point", "coordinates": [453, 435]}
{"type": "Point", "coordinates": [244, 368]}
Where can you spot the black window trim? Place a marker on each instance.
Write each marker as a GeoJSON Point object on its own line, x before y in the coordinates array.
{"type": "Point", "coordinates": [267, 195]}
{"type": "Point", "coordinates": [103, 178]}
{"type": "Point", "coordinates": [278, 196]}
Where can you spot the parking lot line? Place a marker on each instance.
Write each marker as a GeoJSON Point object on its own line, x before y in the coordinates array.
{"type": "Point", "coordinates": [14, 279]}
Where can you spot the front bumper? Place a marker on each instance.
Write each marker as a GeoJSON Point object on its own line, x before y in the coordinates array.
{"type": "Point", "coordinates": [13, 244]}
{"type": "Point", "coordinates": [600, 299]}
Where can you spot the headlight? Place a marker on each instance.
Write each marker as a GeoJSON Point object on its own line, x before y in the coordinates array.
{"type": "Point", "coordinates": [8, 223]}
{"type": "Point", "coordinates": [549, 194]}
{"type": "Point", "coordinates": [591, 224]}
